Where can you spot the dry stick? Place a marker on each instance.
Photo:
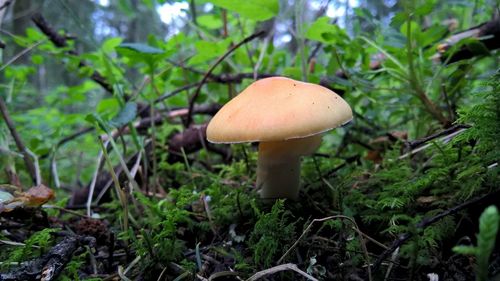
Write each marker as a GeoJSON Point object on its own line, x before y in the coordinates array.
{"type": "Point", "coordinates": [49, 265]}
{"type": "Point", "coordinates": [30, 166]}
{"type": "Point", "coordinates": [356, 228]}
{"type": "Point", "coordinates": [416, 143]}
{"type": "Point", "coordinates": [486, 32]}
{"type": "Point", "coordinates": [427, 222]}
{"type": "Point", "coordinates": [278, 268]}
{"type": "Point", "coordinates": [421, 144]}
{"type": "Point", "coordinates": [94, 181]}
{"type": "Point", "coordinates": [224, 274]}
{"type": "Point", "coordinates": [217, 62]}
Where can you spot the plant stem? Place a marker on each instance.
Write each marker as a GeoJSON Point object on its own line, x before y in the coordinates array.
{"type": "Point", "coordinates": [414, 81]}
{"type": "Point", "coordinates": [299, 7]}
{"type": "Point", "coordinates": [30, 166]}
{"type": "Point", "coordinates": [119, 191]}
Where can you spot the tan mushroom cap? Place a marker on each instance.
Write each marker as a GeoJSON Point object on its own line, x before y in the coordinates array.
{"type": "Point", "coordinates": [276, 109]}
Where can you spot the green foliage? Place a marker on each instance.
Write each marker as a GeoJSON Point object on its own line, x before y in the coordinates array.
{"type": "Point", "coordinates": [488, 229]}
{"type": "Point", "coordinates": [71, 270]}
{"type": "Point", "coordinates": [258, 10]}
{"type": "Point", "coordinates": [158, 240]}
{"type": "Point", "coordinates": [141, 48]}
{"type": "Point", "coordinates": [457, 170]}
{"type": "Point", "coordinates": [323, 31]}
{"type": "Point", "coordinates": [34, 246]}
{"type": "Point", "coordinates": [485, 119]}
{"type": "Point", "coordinates": [126, 115]}
{"type": "Point", "coordinates": [273, 233]}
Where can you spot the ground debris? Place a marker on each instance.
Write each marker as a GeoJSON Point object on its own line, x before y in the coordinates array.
{"type": "Point", "coordinates": [49, 266]}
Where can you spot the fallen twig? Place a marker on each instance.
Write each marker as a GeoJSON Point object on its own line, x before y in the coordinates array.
{"type": "Point", "coordinates": [49, 266]}
{"type": "Point", "coordinates": [418, 142]}
{"type": "Point", "coordinates": [278, 268]}
{"type": "Point", "coordinates": [487, 33]}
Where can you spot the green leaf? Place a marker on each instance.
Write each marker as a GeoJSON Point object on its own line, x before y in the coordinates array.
{"type": "Point", "coordinates": [97, 121]}
{"type": "Point", "coordinates": [141, 48]}
{"type": "Point", "coordinates": [425, 8]}
{"type": "Point", "coordinates": [208, 50]}
{"type": "Point", "coordinates": [292, 72]}
{"type": "Point", "coordinates": [323, 31]}
{"type": "Point", "coordinates": [37, 59]}
{"type": "Point", "coordinates": [126, 115]}
{"type": "Point", "coordinates": [398, 19]}
{"type": "Point", "coordinates": [432, 34]}
{"type": "Point", "coordinates": [385, 52]}
{"type": "Point", "coordinates": [414, 29]}
{"type": "Point", "coordinates": [209, 21]}
{"type": "Point", "coordinates": [488, 229]}
{"type": "Point", "coordinates": [34, 35]}
{"type": "Point", "coordinates": [110, 44]}
{"type": "Point", "coordinates": [258, 10]}
{"type": "Point", "coordinates": [464, 250]}
{"type": "Point", "coordinates": [108, 107]}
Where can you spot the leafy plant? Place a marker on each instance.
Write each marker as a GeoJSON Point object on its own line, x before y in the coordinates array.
{"type": "Point", "coordinates": [272, 234]}
{"type": "Point", "coordinates": [489, 222]}
{"type": "Point", "coordinates": [34, 246]}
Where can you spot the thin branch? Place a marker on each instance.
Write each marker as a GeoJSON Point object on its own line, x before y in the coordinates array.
{"type": "Point", "coordinates": [61, 42]}
{"type": "Point", "coordinates": [5, 4]}
{"type": "Point", "coordinates": [94, 180]}
{"type": "Point", "coordinates": [217, 62]}
{"type": "Point", "coordinates": [418, 142]}
{"type": "Point", "coordinates": [278, 268]}
{"type": "Point", "coordinates": [21, 54]}
{"type": "Point", "coordinates": [30, 166]}
{"type": "Point", "coordinates": [314, 52]}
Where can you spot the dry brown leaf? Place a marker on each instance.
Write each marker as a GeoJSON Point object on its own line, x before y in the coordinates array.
{"type": "Point", "coordinates": [37, 196]}
{"type": "Point", "coordinates": [34, 197]}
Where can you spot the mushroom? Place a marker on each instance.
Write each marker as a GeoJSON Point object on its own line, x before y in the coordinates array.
{"type": "Point", "coordinates": [287, 118]}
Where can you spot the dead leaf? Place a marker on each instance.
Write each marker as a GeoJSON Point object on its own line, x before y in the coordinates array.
{"type": "Point", "coordinates": [34, 197]}
{"type": "Point", "coordinates": [37, 196]}
{"type": "Point", "coordinates": [426, 199]}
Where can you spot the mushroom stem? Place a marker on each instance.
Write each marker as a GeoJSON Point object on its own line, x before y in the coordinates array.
{"type": "Point", "coordinates": [278, 166]}
{"type": "Point", "coordinates": [278, 177]}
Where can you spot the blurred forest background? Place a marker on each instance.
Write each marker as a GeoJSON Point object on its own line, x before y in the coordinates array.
{"type": "Point", "coordinates": [105, 105]}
